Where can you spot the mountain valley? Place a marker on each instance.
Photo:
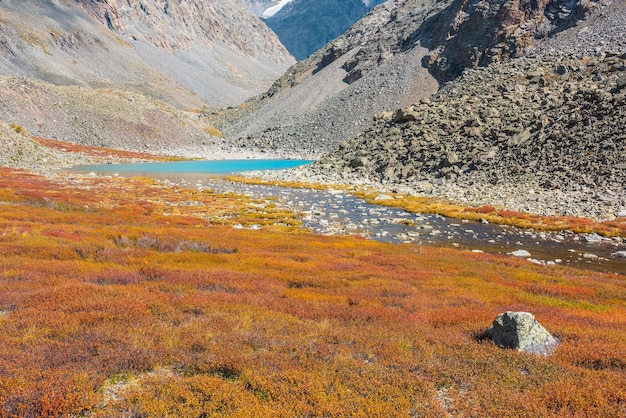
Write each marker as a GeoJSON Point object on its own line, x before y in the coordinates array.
{"type": "Point", "coordinates": [470, 164]}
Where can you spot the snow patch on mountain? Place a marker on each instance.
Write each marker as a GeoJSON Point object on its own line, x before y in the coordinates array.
{"type": "Point", "coordinates": [271, 11]}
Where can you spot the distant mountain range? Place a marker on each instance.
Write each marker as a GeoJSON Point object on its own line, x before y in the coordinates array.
{"type": "Point", "coordinates": [304, 26]}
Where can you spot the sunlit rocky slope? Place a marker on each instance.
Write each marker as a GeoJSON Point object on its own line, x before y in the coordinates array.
{"type": "Point", "coordinates": [223, 55]}
{"type": "Point", "coordinates": [540, 128]}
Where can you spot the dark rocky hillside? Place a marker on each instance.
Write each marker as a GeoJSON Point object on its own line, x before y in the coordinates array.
{"type": "Point", "coordinates": [555, 122]}
{"type": "Point", "coordinates": [395, 55]}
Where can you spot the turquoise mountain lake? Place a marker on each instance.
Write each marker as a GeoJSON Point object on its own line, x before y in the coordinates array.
{"type": "Point", "coordinates": [200, 167]}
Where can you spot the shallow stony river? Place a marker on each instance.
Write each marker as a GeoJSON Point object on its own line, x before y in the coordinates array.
{"type": "Point", "coordinates": [335, 212]}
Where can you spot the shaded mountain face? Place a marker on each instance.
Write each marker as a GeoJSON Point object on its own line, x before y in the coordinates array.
{"type": "Point", "coordinates": [259, 6]}
{"type": "Point", "coordinates": [221, 56]}
{"type": "Point", "coordinates": [304, 26]}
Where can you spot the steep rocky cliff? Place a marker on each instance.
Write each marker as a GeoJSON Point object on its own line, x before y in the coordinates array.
{"type": "Point", "coordinates": [189, 53]}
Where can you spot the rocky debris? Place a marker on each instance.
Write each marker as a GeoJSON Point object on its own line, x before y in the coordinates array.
{"type": "Point", "coordinates": [520, 125]}
{"type": "Point", "coordinates": [601, 32]}
{"type": "Point", "coordinates": [20, 151]}
{"type": "Point", "coordinates": [104, 118]}
{"type": "Point", "coordinates": [521, 331]}
{"type": "Point", "coordinates": [381, 64]}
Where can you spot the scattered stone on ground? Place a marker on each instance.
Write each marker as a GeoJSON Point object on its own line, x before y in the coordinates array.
{"type": "Point", "coordinates": [521, 331]}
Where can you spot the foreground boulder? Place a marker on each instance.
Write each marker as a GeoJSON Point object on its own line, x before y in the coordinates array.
{"type": "Point", "coordinates": [522, 332]}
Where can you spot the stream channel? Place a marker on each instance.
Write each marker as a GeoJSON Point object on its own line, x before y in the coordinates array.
{"type": "Point", "coordinates": [335, 212]}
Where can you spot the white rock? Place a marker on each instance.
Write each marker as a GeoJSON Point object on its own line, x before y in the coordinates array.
{"type": "Point", "coordinates": [593, 238]}
{"type": "Point", "coordinates": [520, 253]}
{"type": "Point", "coordinates": [383, 197]}
{"type": "Point", "coordinates": [521, 331]}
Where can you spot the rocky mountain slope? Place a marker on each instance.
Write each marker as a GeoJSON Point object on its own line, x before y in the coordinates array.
{"type": "Point", "coordinates": [304, 26]}
{"type": "Point", "coordinates": [397, 54]}
{"type": "Point", "coordinates": [18, 150]}
{"type": "Point", "coordinates": [542, 132]}
{"type": "Point", "coordinates": [546, 123]}
{"type": "Point", "coordinates": [221, 56]}
{"type": "Point", "coordinates": [104, 117]}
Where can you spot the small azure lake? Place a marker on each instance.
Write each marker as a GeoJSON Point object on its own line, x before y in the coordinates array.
{"type": "Point", "coordinates": [197, 167]}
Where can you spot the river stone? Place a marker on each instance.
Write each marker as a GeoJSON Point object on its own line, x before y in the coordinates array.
{"type": "Point", "coordinates": [520, 253]}
{"type": "Point", "coordinates": [522, 332]}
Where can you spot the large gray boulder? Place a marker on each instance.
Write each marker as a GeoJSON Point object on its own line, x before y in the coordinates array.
{"type": "Point", "coordinates": [522, 332]}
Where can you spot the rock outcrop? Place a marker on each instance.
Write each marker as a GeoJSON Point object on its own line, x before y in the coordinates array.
{"type": "Point", "coordinates": [521, 331]}
{"type": "Point", "coordinates": [468, 34]}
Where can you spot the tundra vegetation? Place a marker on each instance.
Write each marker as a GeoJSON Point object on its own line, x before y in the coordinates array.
{"type": "Point", "coordinates": [128, 298]}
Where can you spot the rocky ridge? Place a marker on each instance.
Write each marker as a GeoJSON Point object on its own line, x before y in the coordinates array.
{"type": "Point", "coordinates": [398, 53]}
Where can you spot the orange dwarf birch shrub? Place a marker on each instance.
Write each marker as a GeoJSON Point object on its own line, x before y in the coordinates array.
{"type": "Point", "coordinates": [119, 298]}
